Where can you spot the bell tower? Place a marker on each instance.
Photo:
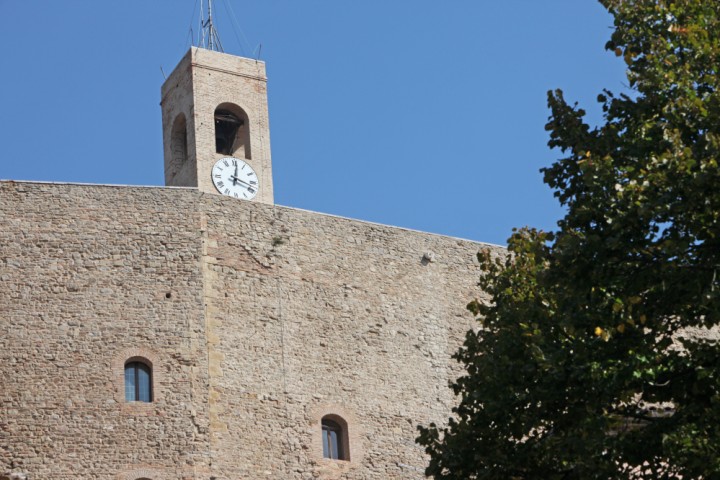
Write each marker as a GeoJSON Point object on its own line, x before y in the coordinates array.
{"type": "Point", "coordinates": [214, 106]}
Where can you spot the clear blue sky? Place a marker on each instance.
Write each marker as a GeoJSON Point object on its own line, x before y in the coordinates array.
{"type": "Point", "coordinates": [422, 114]}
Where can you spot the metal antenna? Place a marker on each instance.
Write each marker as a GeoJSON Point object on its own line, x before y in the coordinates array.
{"type": "Point", "coordinates": [210, 38]}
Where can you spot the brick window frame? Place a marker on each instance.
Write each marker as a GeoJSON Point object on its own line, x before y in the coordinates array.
{"type": "Point", "coordinates": [352, 440]}
{"type": "Point", "coordinates": [151, 359]}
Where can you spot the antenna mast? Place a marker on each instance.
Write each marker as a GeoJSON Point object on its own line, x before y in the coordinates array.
{"type": "Point", "coordinates": [210, 38]}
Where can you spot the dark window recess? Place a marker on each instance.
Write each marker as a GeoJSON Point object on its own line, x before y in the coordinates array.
{"type": "Point", "coordinates": [138, 382]}
{"type": "Point", "coordinates": [227, 125]}
{"type": "Point", "coordinates": [332, 435]}
{"type": "Point", "coordinates": [179, 141]}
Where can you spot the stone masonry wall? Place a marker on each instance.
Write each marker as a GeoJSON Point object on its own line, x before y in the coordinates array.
{"type": "Point", "coordinates": [85, 272]}
{"type": "Point", "coordinates": [314, 314]}
{"type": "Point", "coordinates": [276, 318]}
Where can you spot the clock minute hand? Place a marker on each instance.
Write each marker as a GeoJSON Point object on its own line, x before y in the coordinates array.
{"type": "Point", "coordinates": [235, 176]}
{"type": "Point", "coordinates": [241, 181]}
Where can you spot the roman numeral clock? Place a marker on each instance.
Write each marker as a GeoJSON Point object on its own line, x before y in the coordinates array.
{"type": "Point", "coordinates": [235, 178]}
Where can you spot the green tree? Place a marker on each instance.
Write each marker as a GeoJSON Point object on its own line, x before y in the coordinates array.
{"type": "Point", "coordinates": [596, 358]}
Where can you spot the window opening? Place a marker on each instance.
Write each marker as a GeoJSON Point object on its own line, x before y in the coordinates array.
{"type": "Point", "coordinates": [138, 382]}
{"type": "Point", "coordinates": [332, 435]}
{"type": "Point", "coordinates": [232, 131]}
{"type": "Point", "coordinates": [227, 125]}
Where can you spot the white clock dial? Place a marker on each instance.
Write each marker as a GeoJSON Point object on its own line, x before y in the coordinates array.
{"type": "Point", "coordinates": [235, 178]}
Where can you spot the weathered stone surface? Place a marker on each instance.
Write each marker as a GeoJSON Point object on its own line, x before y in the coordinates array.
{"type": "Point", "coordinates": [258, 321]}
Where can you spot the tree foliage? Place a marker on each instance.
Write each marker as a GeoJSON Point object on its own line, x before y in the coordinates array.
{"type": "Point", "coordinates": [596, 358]}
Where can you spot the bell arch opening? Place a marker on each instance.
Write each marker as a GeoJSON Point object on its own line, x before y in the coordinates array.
{"type": "Point", "coordinates": [178, 140]}
{"type": "Point", "coordinates": [232, 131]}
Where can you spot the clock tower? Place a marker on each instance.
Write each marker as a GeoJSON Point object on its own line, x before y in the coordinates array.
{"type": "Point", "coordinates": [216, 132]}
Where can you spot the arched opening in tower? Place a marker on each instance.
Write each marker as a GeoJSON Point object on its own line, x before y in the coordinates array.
{"type": "Point", "coordinates": [231, 132]}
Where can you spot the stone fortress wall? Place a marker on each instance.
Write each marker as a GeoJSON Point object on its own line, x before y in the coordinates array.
{"type": "Point", "coordinates": [85, 272]}
{"type": "Point", "coordinates": [258, 320]}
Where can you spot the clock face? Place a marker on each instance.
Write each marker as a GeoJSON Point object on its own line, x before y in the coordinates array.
{"type": "Point", "coordinates": [235, 178]}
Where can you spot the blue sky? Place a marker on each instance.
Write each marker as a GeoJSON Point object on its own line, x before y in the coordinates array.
{"type": "Point", "coordinates": [422, 114]}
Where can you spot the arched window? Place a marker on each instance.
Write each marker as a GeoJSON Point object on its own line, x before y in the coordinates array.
{"type": "Point", "coordinates": [138, 382]}
{"type": "Point", "coordinates": [178, 140]}
{"type": "Point", "coordinates": [232, 132]}
{"type": "Point", "coordinates": [334, 437]}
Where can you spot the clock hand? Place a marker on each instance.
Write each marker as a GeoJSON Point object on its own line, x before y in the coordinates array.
{"type": "Point", "coordinates": [241, 181]}
{"type": "Point", "coordinates": [236, 172]}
